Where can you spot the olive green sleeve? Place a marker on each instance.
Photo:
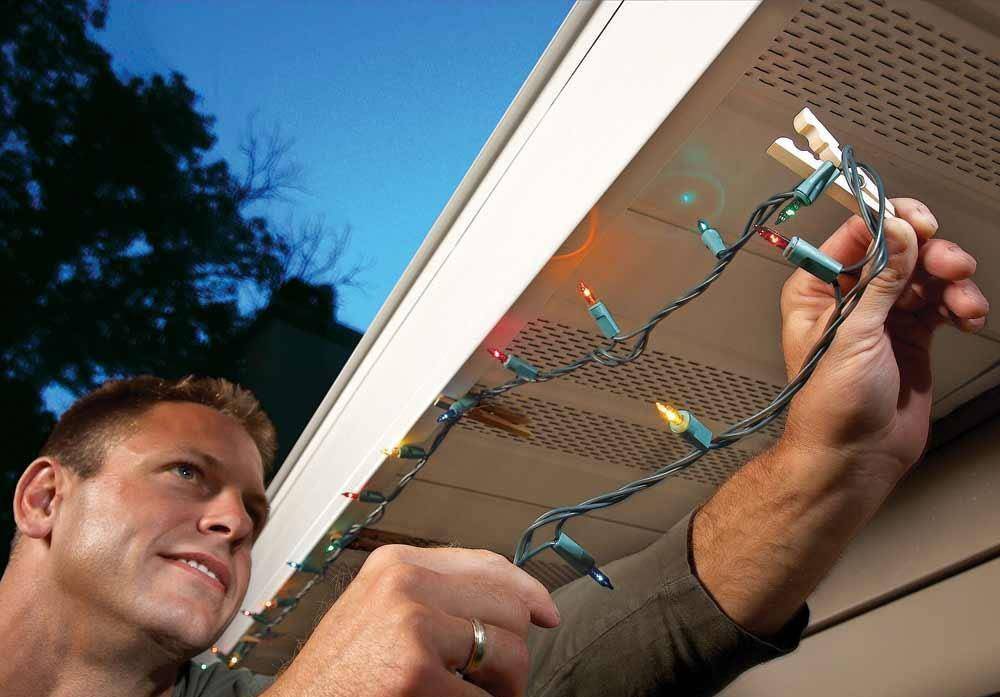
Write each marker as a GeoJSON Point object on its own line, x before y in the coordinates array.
{"type": "Point", "coordinates": [658, 632]}
{"type": "Point", "coordinates": [216, 680]}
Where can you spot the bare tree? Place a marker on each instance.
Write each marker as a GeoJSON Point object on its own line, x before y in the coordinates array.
{"type": "Point", "coordinates": [270, 174]}
{"type": "Point", "coordinates": [309, 250]}
{"type": "Point", "coordinates": [317, 254]}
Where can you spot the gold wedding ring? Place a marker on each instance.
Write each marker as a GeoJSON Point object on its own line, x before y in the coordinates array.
{"type": "Point", "coordinates": [478, 647]}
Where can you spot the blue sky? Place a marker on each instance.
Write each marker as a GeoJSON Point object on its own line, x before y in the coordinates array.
{"type": "Point", "coordinates": [388, 102]}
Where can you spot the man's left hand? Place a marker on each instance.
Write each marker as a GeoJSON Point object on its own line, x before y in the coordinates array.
{"type": "Point", "coordinates": [871, 394]}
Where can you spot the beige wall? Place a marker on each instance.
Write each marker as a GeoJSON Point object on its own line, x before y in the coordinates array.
{"type": "Point", "coordinates": [941, 641]}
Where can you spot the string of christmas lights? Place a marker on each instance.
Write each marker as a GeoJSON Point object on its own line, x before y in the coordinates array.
{"type": "Point", "coordinates": [625, 348]}
{"type": "Point", "coordinates": [287, 604]}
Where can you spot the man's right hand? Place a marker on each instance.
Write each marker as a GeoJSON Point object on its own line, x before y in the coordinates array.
{"type": "Point", "coordinates": [403, 627]}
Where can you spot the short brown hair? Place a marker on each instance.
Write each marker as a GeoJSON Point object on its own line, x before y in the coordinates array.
{"type": "Point", "coordinates": [83, 434]}
{"type": "Point", "coordinates": [81, 437]}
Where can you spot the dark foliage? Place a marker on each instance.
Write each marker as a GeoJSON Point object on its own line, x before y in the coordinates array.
{"type": "Point", "coordinates": [123, 250]}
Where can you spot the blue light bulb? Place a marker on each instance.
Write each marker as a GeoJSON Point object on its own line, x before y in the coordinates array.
{"type": "Point", "coordinates": [600, 577]}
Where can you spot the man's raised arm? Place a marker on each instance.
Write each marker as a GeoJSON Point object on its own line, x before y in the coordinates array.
{"type": "Point", "coordinates": [725, 589]}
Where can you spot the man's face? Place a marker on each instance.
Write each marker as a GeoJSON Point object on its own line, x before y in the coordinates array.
{"type": "Point", "coordinates": [187, 484]}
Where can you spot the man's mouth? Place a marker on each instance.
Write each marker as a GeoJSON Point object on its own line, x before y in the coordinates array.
{"type": "Point", "coordinates": [200, 570]}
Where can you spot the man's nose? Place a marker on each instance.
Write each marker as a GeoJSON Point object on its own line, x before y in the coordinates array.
{"type": "Point", "coordinates": [227, 515]}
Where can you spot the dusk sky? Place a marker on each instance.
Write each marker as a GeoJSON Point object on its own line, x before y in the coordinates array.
{"type": "Point", "coordinates": [388, 102]}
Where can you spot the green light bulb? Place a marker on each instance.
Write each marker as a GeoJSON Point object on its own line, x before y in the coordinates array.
{"type": "Point", "coordinates": [789, 212]}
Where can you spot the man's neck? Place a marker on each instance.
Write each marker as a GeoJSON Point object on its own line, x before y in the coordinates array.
{"type": "Point", "coordinates": [55, 647]}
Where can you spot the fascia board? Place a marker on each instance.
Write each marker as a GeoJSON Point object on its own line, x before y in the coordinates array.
{"type": "Point", "coordinates": [616, 86]}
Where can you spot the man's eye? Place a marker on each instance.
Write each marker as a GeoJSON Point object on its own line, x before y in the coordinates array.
{"type": "Point", "coordinates": [186, 471]}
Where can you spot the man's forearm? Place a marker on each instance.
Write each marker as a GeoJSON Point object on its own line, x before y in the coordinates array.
{"type": "Point", "coordinates": [774, 530]}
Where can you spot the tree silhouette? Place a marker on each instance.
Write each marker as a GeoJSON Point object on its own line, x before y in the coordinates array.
{"type": "Point", "coordinates": [122, 248]}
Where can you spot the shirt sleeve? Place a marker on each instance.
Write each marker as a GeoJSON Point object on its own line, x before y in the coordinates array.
{"type": "Point", "coordinates": [219, 681]}
{"type": "Point", "coordinates": [658, 632]}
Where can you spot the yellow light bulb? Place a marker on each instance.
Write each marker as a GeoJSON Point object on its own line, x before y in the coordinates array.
{"type": "Point", "coordinates": [670, 415]}
{"type": "Point", "coordinates": [233, 661]}
{"type": "Point", "coordinates": [390, 452]}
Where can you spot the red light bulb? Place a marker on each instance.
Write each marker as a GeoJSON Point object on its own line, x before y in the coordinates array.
{"type": "Point", "coordinates": [773, 237]}
{"type": "Point", "coordinates": [498, 354]}
{"type": "Point", "coordinates": [587, 294]}
{"type": "Point", "coordinates": [353, 495]}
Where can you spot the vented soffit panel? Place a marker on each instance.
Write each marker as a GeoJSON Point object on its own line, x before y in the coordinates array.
{"type": "Point", "coordinates": [920, 79]}
{"type": "Point", "coordinates": [721, 355]}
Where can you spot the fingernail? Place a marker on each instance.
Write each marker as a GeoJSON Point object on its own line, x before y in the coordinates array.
{"type": "Point", "coordinates": [897, 241]}
{"type": "Point", "coordinates": [975, 295]}
{"type": "Point", "coordinates": [933, 221]}
{"type": "Point", "coordinates": [969, 259]}
{"type": "Point", "coordinates": [926, 212]}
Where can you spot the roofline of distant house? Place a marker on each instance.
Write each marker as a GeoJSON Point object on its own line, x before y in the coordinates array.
{"type": "Point", "coordinates": [549, 61]}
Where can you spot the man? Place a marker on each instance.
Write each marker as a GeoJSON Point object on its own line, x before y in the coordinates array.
{"type": "Point", "coordinates": [136, 521]}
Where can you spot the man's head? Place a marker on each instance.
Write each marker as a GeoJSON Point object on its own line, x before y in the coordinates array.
{"type": "Point", "coordinates": [135, 477]}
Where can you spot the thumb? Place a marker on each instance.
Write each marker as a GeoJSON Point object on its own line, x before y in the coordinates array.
{"type": "Point", "coordinates": [883, 291]}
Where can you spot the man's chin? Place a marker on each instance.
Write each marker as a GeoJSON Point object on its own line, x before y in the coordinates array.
{"type": "Point", "coordinates": [184, 642]}
{"type": "Point", "coordinates": [184, 626]}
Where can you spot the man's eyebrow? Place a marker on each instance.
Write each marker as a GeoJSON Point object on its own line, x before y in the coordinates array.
{"type": "Point", "coordinates": [259, 499]}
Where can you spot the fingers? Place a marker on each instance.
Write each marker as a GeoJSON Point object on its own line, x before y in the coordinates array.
{"type": "Point", "coordinates": [851, 241]}
{"type": "Point", "coordinates": [941, 283]}
{"type": "Point", "coordinates": [885, 289]}
{"type": "Point", "coordinates": [918, 216]}
{"type": "Point", "coordinates": [959, 303]}
{"type": "Point", "coordinates": [946, 260]}
{"type": "Point", "coordinates": [506, 663]}
{"type": "Point", "coordinates": [964, 305]}
{"type": "Point", "coordinates": [503, 671]}
{"type": "Point", "coordinates": [488, 568]}
{"type": "Point", "coordinates": [463, 595]}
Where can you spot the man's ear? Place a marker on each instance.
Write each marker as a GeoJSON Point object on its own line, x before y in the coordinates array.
{"type": "Point", "coordinates": [36, 497]}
